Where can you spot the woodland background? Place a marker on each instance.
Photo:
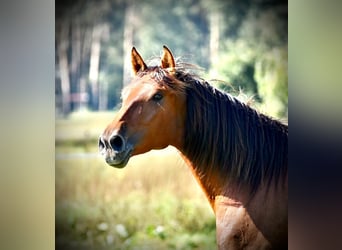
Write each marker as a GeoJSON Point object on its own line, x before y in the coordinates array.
{"type": "Point", "coordinates": [243, 44]}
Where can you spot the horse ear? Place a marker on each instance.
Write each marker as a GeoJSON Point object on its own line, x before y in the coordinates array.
{"type": "Point", "coordinates": [167, 60]}
{"type": "Point", "coordinates": [138, 63]}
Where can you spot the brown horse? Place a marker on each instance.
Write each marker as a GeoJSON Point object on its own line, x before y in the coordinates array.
{"type": "Point", "coordinates": [238, 155]}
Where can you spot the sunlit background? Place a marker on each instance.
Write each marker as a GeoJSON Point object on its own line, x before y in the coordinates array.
{"type": "Point", "coordinates": [153, 203]}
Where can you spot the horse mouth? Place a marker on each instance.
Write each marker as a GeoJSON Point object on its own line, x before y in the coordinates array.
{"type": "Point", "coordinates": [118, 159]}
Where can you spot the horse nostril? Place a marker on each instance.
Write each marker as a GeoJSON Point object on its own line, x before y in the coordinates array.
{"type": "Point", "coordinates": [117, 143]}
{"type": "Point", "coordinates": [102, 145]}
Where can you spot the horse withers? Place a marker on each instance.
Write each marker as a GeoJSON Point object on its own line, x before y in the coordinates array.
{"type": "Point", "coordinates": [238, 155]}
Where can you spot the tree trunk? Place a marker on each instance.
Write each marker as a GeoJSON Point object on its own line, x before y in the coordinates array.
{"type": "Point", "coordinates": [76, 60]}
{"type": "Point", "coordinates": [103, 84]}
{"type": "Point", "coordinates": [128, 41]}
{"type": "Point", "coordinates": [62, 47]}
{"type": "Point", "coordinates": [86, 37]}
{"type": "Point", "coordinates": [94, 65]}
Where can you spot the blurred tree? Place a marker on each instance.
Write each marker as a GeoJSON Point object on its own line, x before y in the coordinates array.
{"type": "Point", "coordinates": [182, 26]}
{"type": "Point", "coordinates": [251, 35]}
{"type": "Point", "coordinates": [236, 41]}
{"type": "Point", "coordinates": [130, 23]}
{"type": "Point", "coordinates": [82, 34]}
{"type": "Point", "coordinates": [62, 65]}
{"type": "Point", "coordinates": [271, 76]}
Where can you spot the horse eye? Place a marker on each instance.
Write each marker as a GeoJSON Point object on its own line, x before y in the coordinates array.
{"type": "Point", "coordinates": [157, 97]}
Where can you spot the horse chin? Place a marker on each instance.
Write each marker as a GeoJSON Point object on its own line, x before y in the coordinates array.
{"type": "Point", "coordinates": [119, 164]}
{"type": "Point", "coordinates": [118, 160]}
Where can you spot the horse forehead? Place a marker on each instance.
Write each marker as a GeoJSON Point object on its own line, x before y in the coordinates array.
{"type": "Point", "coordinates": [138, 91]}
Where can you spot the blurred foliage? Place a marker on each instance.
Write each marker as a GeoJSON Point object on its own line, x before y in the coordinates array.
{"type": "Point", "coordinates": [146, 206]}
{"type": "Point", "coordinates": [252, 51]}
{"type": "Point", "coordinates": [271, 76]}
{"type": "Point", "coordinates": [255, 61]}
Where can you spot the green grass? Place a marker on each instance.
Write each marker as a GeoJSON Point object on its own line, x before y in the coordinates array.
{"type": "Point", "coordinates": [153, 203]}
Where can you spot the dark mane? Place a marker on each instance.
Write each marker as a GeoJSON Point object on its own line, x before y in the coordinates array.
{"type": "Point", "coordinates": [225, 136]}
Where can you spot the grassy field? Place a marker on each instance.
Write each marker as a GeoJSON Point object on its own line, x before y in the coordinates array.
{"type": "Point", "coordinates": [153, 203]}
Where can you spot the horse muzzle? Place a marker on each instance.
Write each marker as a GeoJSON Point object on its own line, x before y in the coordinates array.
{"type": "Point", "coordinates": [116, 150]}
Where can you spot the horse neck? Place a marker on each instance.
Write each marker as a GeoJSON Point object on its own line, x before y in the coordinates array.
{"type": "Point", "coordinates": [216, 144]}
{"type": "Point", "coordinates": [201, 179]}
{"type": "Point", "coordinates": [213, 185]}
{"type": "Point", "coordinates": [202, 146]}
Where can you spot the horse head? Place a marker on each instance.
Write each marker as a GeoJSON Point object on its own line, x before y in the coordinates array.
{"type": "Point", "coordinates": [152, 112]}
